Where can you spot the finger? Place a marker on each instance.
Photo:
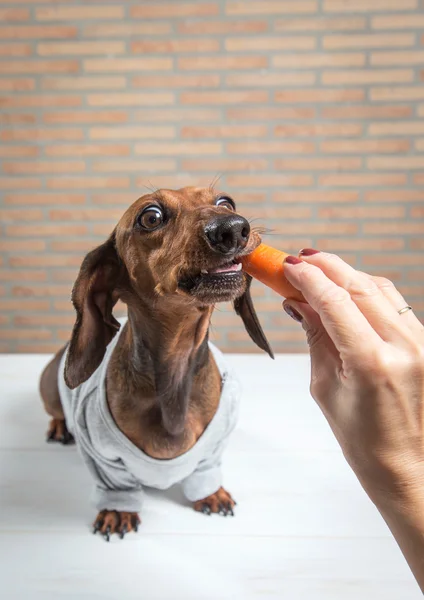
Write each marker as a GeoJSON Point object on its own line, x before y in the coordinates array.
{"type": "Point", "coordinates": [325, 359]}
{"type": "Point", "coordinates": [364, 292]}
{"type": "Point", "coordinates": [396, 299]}
{"type": "Point", "coordinates": [347, 327]}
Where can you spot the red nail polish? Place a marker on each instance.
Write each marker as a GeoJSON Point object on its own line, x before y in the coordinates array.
{"type": "Point", "coordinates": [292, 312]}
{"type": "Point", "coordinates": [292, 260]}
{"type": "Point", "coordinates": [308, 252]}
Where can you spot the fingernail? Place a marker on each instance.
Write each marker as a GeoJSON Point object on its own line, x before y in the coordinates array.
{"type": "Point", "coordinates": [292, 260]}
{"type": "Point", "coordinates": [292, 312]}
{"type": "Point", "coordinates": [308, 252]}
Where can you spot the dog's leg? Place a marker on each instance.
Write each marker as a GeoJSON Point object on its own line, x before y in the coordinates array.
{"type": "Point", "coordinates": [220, 502]}
{"type": "Point", "coordinates": [108, 522]}
{"type": "Point", "coordinates": [49, 390]}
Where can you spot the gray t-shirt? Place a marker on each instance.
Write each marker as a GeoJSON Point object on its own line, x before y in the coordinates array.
{"type": "Point", "coordinates": [119, 468]}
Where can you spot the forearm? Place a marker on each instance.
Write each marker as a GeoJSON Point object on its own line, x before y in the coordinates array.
{"type": "Point", "coordinates": [405, 518]}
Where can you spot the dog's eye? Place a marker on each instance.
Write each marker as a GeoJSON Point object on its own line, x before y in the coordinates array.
{"type": "Point", "coordinates": [151, 218]}
{"type": "Point", "coordinates": [226, 203]}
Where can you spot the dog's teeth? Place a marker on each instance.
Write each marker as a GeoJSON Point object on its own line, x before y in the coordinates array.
{"type": "Point", "coordinates": [238, 267]}
{"type": "Point", "coordinates": [204, 272]}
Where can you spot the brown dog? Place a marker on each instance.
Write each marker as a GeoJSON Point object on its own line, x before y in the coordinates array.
{"type": "Point", "coordinates": [171, 257]}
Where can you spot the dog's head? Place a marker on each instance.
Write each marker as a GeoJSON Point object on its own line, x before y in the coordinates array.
{"type": "Point", "coordinates": [184, 245]}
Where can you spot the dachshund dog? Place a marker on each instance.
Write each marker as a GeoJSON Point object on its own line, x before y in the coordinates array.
{"type": "Point", "coordinates": [152, 403]}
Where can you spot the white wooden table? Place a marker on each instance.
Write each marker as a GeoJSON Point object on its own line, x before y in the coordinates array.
{"type": "Point", "coordinates": [304, 529]}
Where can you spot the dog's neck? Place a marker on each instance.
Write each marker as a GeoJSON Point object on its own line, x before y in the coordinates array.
{"type": "Point", "coordinates": [170, 337]}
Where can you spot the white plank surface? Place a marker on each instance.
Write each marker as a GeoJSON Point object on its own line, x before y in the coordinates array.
{"type": "Point", "coordinates": [304, 529]}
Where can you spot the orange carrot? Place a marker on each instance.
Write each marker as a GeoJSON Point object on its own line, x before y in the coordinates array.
{"type": "Point", "coordinates": [266, 265]}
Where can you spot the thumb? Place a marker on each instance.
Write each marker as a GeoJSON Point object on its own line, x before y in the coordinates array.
{"type": "Point", "coordinates": [324, 355]}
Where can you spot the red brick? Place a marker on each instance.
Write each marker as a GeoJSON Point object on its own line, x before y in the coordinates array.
{"type": "Point", "coordinates": [286, 212]}
{"type": "Point", "coordinates": [269, 180]}
{"type": "Point", "coordinates": [32, 67]}
{"type": "Point", "coordinates": [318, 130]}
{"type": "Point", "coordinates": [42, 134]}
{"type": "Point", "coordinates": [20, 215]}
{"type": "Point", "coordinates": [361, 212]}
{"type": "Point", "coordinates": [83, 83]}
{"type": "Point", "coordinates": [418, 244]}
{"type": "Point", "coordinates": [37, 32]}
{"type": "Point", "coordinates": [103, 229]}
{"type": "Point", "coordinates": [184, 80]}
{"type": "Point", "coordinates": [126, 30]}
{"type": "Point", "coordinates": [313, 61]}
{"type": "Point", "coordinates": [372, 40]}
{"type": "Point", "coordinates": [255, 43]}
{"type": "Point", "coordinates": [411, 290]}
{"type": "Point", "coordinates": [82, 48]}
{"type": "Point", "coordinates": [172, 46]}
{"type": "Point", "coordinates": [407, 58]}
{"type": "Point", "coordinates": [417, 212]}
{"type": "Point", "coordinates": [362, 179]}
{"type": "Point", "coordinates": [366, 112]}
{"type": "Point", "coordinates": [312, 95]}
{"type": "Point", "coordinates": [47, 230]}
{"type": "Point", "coordinates": [358, 244]}
{"type": "Point", "coordinates": [271, 147]}
{"type": "Point", "coordinates": [221, 27]}
{"type": "Point", "coordinates": [317, 196]}
{"type": "Point", "coordinates": [419, 179]}
{"type": "Point", "coordinates": [143, 63]}
{"type": "Point", "coordinates": [218, 62]}
{"type": "Point", "coordinates": [342, 6]}
{"type": "Point", "coordinates": [54, 260]}
{"type": "Point", "coordinates": [86, 117]}
{"type": "Point", "coordinates": [44, 319]}
{"type": "Point", "coordinates": [224, 97]}
{"type": "Point", "coordinates": [75, 246]}
{"type": "Point", "coordinates": [399, 128]}
{"type": "Point", "coordinates": [38, 167]}
{"type": "Point", "coordinates": [155, 132]}
{"type": "Point", "coordinates": [176, 115]}
{"type": "Point", "coordinates": [87, 150]}
{"type": "Point", "coordinates": [14, 14]}
{"type": "Point", "coordinates": [14, 50]}
{"type": "Point", "coordinates": [397, 93]}
{"type": "Point", "coordinates": [264, 113]}
{"type": "Point", "coordinates": [392, 259]}
{"type": "Point", "coordinates": [131, 99]}
{"type": "Point", "coordinates": [16, 183]}
{"type": "Point", "coordinates": [74, 13]}
{"type": "Point", "coordinates": [64, 275]}
{"type": "Point", "coordinates": [24, 305]}
{"type": "Point", "coordinates": [419, 145]}
{"type": "Point", "coordinates": [269, 79]}
{"type": "Point", "coordinates": [395, 162]}
{"type": "Point", "coordinates": [178, 148]}
{"type": "Point", "coordinates": [399, 228]}
{"type": "Point", "coordinates": [15, 275]}
{"type": "Point", "coordinates": [224, 131]}
{"type": "Point", "coordinates": [224, 164]}
{"type": "Point", "coordinates": [320, 24]}
{"type": "Point", "coordinates": [34, 101]}
{"type": "Point", "coordinates": [399, 21]}
{"type": "Point", "coordinates": [16, 119]}
{"type": "Point", "coordinates": [317, 163]}
{"type": "Point", "coordinates": [25, 334]}
{"type": "Point", "coordinates": [67, 183]}
{"type": "Point", "coordinates": [44, 198]}
{"type": "Point", "coordinates": [363, 76]}
{"type": "Point", "coordinates": [179, 9]}
{"type": "Point", "coordinates": [125, 198]}
{"type": "Point", "coordinates": [64, 305]}
{"type": "Point", "coordinates": [22, 245]}
{"type": "Point", "coordinates": [155, 165]}
{"type": "Point", "coordinates": [38, 348]}
{"type": "Point", "coordinates": [18, 151]}
{"type": "Point", "coordinates": [394, 196]}
{"type": "Point", "coordinates": [17, 85]}
{"type": "Point", "coordinates": [415, 275]}
{"type": "Point", "coordinates": [271, 7]}
{"type": "Point", "coordinates": [365, 146]}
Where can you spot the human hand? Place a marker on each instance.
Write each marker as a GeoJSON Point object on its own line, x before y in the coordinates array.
{"type": "Point", "coordinates": [367, 370]}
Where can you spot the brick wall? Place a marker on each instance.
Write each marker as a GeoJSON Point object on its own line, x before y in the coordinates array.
{"type": "Point", "coordinates": [312, 112]}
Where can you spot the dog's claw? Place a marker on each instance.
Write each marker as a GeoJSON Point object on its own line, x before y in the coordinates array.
{"type": "Point", "coordinates": [206, 509]}
{"type": "Point", "coordinates": [230, 510]}
{"type": "Point", "coordinates": [107, 533]}
{"type": "Point", "coordinates": [134, 523]}
{"type": "Point", "coordinates": [222, 510]}
{"type": "Point", "coordinates": [123, 531]}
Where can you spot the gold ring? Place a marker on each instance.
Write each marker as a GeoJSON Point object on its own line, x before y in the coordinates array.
{"type": "Point", "coordinates": [404, 309]}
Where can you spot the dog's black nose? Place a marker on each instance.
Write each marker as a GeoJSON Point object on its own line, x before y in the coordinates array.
{"type": "Point", "coordinates": [227, 233]}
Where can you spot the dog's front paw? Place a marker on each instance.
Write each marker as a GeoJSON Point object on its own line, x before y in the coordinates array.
{"type": "Point", "coordinates": [58, 432]}
{"type": "Point", "coordinates": [221, 502]}
{"type": "Point", "coordinates": [114, 521]}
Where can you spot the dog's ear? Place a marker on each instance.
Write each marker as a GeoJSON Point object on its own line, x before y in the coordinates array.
{"type": "Point", "coordinates": [93, 298]}
{"type": "Point", "coordinates": [245, 309]}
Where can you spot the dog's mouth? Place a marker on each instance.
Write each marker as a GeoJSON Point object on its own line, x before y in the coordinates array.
{"type": "Point", "coordinates": [219, 283]}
